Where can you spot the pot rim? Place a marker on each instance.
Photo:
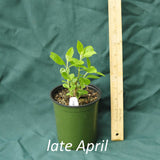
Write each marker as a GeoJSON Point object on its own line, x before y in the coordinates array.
{"type": "Point", "coordinates": [85, 105]}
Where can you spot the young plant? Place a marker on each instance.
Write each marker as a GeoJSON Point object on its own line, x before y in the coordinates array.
{"type": "Point", "coordinates": [76, 84]}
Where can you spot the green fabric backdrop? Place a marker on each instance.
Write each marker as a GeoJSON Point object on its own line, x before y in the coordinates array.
{"type": "Point", "coordinates": [29, 30]}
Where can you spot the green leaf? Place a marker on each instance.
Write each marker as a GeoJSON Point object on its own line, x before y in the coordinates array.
{"type": "Point", "coordinates": [85, 81]}
{"type": "Point", "coordinates": [92, 76]}
{"type": "Point", "coordinates": [82, 92]}
{"type": "Point", "coordinates": [64, 73]}
{"type": "Point", "coordinates": [82, 83]}
{"type": "Point", "coordinates": [91, 69]}
{"type": "Point", "coordinates": [71, 76]}
{"type": "Point", "coordinates": [99, 73]}
{"type": "Point", "coordinates": [80, 48]}
{"type": "Point", "coordinates": [65, 85]}
{"type": "Point", "coordinates": [73, 86]}
{"type": "Point", "coordinates": [76, 62]}
{"type": "Point", "coordinates": [81, 80]}
{"type": "Point", "coordinates": [70, 89]}
{"type": "Point", "coordinates": [89, 54]}
{"type": "Point", "coordinates": [74, 80]}
{"type": "Point", "coordinates": [62, 70]}
{"type": "Point", "coordinates": [88, 49]}
{"type": "Point", "coordinates": [69, 54]}
{"type": "Point", "coordinates": [88, 62]}
{"type": "Point", "coordinates": [56, 58]}
{"type": "Point", "coordinates": [69, 94]}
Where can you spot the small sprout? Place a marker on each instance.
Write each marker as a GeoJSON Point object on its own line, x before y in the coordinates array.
{"type": "Point", "coordinates": [76, 84]}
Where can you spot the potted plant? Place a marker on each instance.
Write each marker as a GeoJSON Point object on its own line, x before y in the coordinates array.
{"type": "Point", "coordinates": [76, 120]}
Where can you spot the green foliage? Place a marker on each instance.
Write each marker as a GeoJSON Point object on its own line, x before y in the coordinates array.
{"type": "Point", "coordinates": [57, 59]}
{"type": "Point", "coordinates": [76, 84]}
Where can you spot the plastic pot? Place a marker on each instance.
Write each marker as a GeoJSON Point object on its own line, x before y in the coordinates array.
{"type": "Point", "coordinates": [76, 123]}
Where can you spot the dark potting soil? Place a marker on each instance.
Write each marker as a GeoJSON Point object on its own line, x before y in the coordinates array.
{"type": "Point", "coordinates": [62, 98]}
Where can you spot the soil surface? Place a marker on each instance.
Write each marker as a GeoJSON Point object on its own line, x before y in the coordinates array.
{"type": "Point", "coordinates": [62, 98]}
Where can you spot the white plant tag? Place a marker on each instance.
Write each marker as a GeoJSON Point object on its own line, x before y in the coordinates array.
{"type": "Point", "coordinates": [73, 101]}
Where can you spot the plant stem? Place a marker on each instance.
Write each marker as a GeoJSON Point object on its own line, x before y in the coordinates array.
{"type": "Point", "coordinates": [85, 74]}
{"type": "Point", "coordinates": [67, 69]}
{"type": "Point", "coordinates": [79, 68]}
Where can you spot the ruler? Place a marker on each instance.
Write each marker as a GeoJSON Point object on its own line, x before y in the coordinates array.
{"type": "Point", "coordinates": [116, 69]}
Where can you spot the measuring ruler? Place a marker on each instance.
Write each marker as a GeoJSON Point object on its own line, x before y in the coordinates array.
{"type": "Point", "coordinates": [116, 69]}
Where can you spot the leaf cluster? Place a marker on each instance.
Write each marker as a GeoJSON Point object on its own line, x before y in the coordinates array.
{"type": "Point", "coordinates": [76, 83]}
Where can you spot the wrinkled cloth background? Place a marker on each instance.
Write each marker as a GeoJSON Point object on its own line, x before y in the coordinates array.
{"type": "Point", "coordinates": [29, 30]}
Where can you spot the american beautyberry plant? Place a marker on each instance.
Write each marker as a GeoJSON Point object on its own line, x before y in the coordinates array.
{"type": "Point", "coordinates": [76, 83]}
